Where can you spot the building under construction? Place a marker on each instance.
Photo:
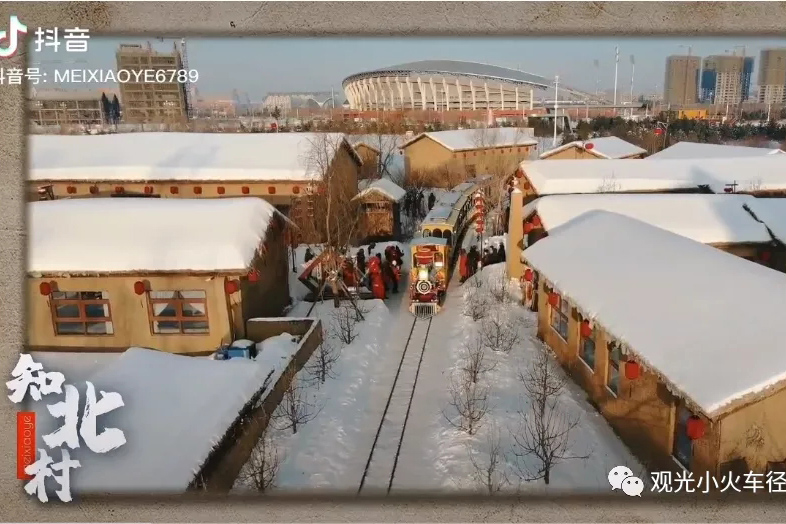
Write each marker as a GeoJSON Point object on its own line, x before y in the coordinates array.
{"type": "Point", "coordinates": [157, 102]}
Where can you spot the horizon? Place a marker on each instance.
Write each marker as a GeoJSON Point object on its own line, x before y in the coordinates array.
{"type": "Point", "coordinates": [263, 66]}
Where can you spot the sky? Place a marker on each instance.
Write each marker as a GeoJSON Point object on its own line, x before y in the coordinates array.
{"type": "Point", "coordinates": [258, 66]}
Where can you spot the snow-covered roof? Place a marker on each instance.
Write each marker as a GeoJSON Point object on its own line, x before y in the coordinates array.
{"type": "Point", "coordinates": [385, 187]}
{"type": "Point", "coordinates": [181, 156]}
{"type": "Point", "coordinates": [772, 212]}
{"type": "Point", "coordinates": [710, 219]}
{"type": "Point", "coordinates": [604, 147]}
{"type": "Point", "coordinates": [701, 150]}
{"type": "Point", "coordinates": [171, 403]}
{"type": "Point", "coordinates": [112, 235]}
{"type": "Point", "coordinates": [618, 175]}
{"type": "Point", "coordinates": [466, 139]}
{"type": "Point", "coordinates": [681, 307]}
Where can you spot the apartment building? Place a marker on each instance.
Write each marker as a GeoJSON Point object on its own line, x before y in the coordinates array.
{"type": "Point", "coordinates": [772, 76]}
{"type": "Point", "coordinates": [158, 102]}
{"type": "Point", "coordinates": [726, 79]}
{"type": "Point", "coordinates": [681, 85]}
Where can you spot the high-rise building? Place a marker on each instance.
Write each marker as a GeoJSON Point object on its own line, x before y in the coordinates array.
{"type": "Point", "coordinates": [726, 79]}
{"type": "Point", "coordinates": [772, 76]}
{"type": "Point", "coordinates": [153, 102]}
{"type": "Point", "coordinates": [681, 86]}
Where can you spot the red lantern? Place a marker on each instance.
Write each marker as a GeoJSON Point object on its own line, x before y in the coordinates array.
{"type": "Point", "coordinates": [71, 190]}
{"type": "Point", "coordinates": [589, 146]}
{"type": "Point", "coordinates": [528, 275]}
{"type": "Point", "coordinates": [149, 190]}
{"type": "Point", "coordinates": [197, 190]}
{"type": "Point", "coordinates": [586, 329]}
{"type": "Point", "coordinates": [139, 287]}
{"type": "Point", "coordinates": [527, 185]}
{"type": "Point", "coordinates": [553, 299]}
{"type": "Point", "coordinates": [45, 288]}
{"type": "Point", "coordinates": [220, 190]}
{"type": "Point", "coordinates": [270, 189]}
{"type": "Point", "coordinates": [479, 228]}
{"type": "Point", "coordinates": [253, 276]}
{"type": "Point", "coordinates": [93, 190]}
{"type": "Point", "coordinates": [296, 190]}
{"type": "Point", "coordinates": [174, 190]}
{"type": "Point", "coordinates": [536, 221]}
{"type": "Point", "coordinates": [632, 370]}
{"type": "Point", "coordinates": [765, 256]}
{"type": "Point", "coordinates": [694, 428]}
{"type": "Point", "coordinates": [658, 131]}
{"type": "Point", "coordinates": [119, 189]}
{"type": "Point", "coordinates": [519, 173]}
{"type": "Point", "coordinates": [231, 286]}
{"type": "Point", "coordinates": [246, 190]}
{"type": "Point", "coordinates": [528, 228]}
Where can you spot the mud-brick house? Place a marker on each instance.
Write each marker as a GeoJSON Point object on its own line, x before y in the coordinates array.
{"type": "Point", "coordinates": [685, 150]}
{"type": "Point", "coordinates": [381, 155]}
{"type": "Point", "coordinates": [605, 148]}
{"type": "Point", "coordinates": [177, 275]}
{"type": "Point", "coordinates": [447, 158]}
{"type": "Point", "coordinates": [758, 176]}
{"type": "Point", "coordinates": [721, 221]}
{"type": "Point", "coordinates": [285, 169]}
{"type": "Point", "coordinates": [380, 212]}
{"type": "Point", "coordinates": [678, 344]}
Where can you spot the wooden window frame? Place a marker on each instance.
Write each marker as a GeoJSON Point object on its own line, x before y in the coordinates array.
{"type": "Point", "coordinates": [556, 312]}
{"type": "Point", "coordinates": [82, 319]}
{"type": "Point", "coordinates": [610, 363]}
{"type": "Point", "coordinates": [179, 317]}
{"type": "Point", "coordinates": [582, 352]}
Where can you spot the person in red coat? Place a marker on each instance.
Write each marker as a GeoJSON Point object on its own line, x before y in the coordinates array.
{"type": "Point", "coordinates": [375, 277]}
{"type": "Point", "coordinates": [463, 265]}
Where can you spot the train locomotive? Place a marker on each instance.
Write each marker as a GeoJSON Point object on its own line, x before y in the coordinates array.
{"type": "Point", "coordinates": [434, 251]}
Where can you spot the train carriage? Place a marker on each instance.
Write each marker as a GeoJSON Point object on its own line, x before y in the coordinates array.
{"type": "Point", "coordinates": [434, 252]}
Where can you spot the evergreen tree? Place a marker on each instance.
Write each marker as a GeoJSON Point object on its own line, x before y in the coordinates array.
{"type": "Point", "coordinates": [115, 110]}
{"type": "Point", "coordinates": [106, 108]}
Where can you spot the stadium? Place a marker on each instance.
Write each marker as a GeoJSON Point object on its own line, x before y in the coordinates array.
{"type": "Point", "coordinates": [452, 85]}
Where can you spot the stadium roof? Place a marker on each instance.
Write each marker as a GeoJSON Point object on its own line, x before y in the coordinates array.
{"type": "Point", "coordinates": [461, 68]}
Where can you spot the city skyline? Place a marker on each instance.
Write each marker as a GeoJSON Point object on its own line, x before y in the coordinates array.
{"type": "Point", "coordinates": [259, 66]}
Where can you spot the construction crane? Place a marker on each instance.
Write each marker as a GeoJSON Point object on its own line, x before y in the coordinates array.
{"type": "Point", "coordinates": [187, 83]}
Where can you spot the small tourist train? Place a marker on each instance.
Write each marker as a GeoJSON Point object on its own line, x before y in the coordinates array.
{"type": "Point", "coordinates": [435, 248]}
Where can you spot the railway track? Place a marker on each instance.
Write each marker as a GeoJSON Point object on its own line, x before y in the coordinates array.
{"type": "Point", "coordinates": [383, 458]}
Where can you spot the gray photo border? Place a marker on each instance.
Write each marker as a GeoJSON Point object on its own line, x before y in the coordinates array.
{"type": "Point", "coordinates": [325, 19]}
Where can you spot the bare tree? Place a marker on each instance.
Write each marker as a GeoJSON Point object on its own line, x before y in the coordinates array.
{"type": "Point", "coordinates": [470, 402]}
{"type": "Point", "coordinates": [474, 359]}
{"type": "Point", "coordinates": [322, 364]}
{"type": "Point", "coordinates": [609, 185]}
{"type": "Point", "coordinates": [476, 303]}
{"type": "Point", "coordinates": [296, 407]}
{"type": "Point", "coordinates": [262, 467]}
{"type": "Point", "coordinates": [490, 472]}
{"type": "Point", "coordinates": [344, 323]}
{"type": "Point", "coordinates": [543, 438]}
{"type": "Point", "coordinates": [498, 287]}
{"type": "Point", "coordinates": [498, 331]}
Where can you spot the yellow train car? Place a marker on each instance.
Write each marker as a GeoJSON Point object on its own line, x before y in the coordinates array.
{"type": "Point", "coordinates": [434, 251]}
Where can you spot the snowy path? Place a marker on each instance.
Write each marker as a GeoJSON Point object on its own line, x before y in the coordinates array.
{"type": "Point", "coordinates": [382, 461]}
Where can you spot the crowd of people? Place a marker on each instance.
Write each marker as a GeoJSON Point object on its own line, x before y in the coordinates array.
{"type": "Point", "coordinates": [470, 261]}
{"type": "Point", "coordinates": [413, 204]}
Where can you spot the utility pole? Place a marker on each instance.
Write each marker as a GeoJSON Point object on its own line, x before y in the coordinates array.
{"type": "Point", "coordinates": [556, 98]}
{"type": "Point", "coordinates": [632, 71]}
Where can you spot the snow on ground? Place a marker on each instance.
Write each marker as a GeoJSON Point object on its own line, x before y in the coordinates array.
{"type": "Point", "coordinates": [177, 408]}
{"type": "Point", "coordinates": [436, 455]}
{"type": "Point", "coordinates": [321, 452]}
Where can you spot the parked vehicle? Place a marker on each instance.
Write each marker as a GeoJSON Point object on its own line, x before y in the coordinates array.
{"type": "Point", "coordinates": [238, 349]}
